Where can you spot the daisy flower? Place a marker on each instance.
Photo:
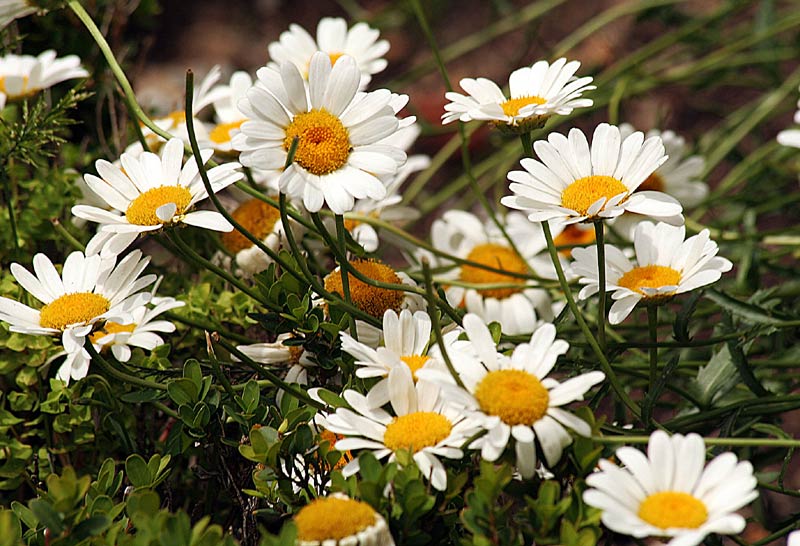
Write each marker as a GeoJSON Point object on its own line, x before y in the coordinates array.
{"type": "Point", "coordinates": [150, 192]}
{"type": "Point", "coordinates": [338, 520]}
{"type": "Point", "coordinates": [666, 265]}
{"type": "Point", "coordinates": [361, 42]}
{"type": "Point", "coordinates": [677, 177]}
{"type": "Point", "coordinates": [338, 157]}
{"type": "Point", "coordinates": [89, 290]}
{"type": "Point", "coordinates": [279, 353]}
{"type": "Point", "coordinates": [670, 492]}
{"type": "Point", "coordinates": [515, 306]}
{"type": "Point", "coordinates": [791, 137]}
{"type": "Point", "coordinates": [14, 9]}
{"type": "Point", "coordinates": [537, 92]}
{"type": "Point", "coordinates": [22, 76]}
{"type": "Point", "coordinates": [423, 423]}
{"type": "Point", "coordinates": [793, 539]}
{"type": "Point", "coordinates": [512, 397]}
{"type": "Point", "coordinates": [140, 332]}
{"type": "Point", "coordinates": [228, 117]}
{"type": "Point", "coordinates": [572, 183]}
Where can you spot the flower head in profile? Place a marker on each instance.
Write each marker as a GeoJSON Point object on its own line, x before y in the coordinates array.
{"type": "Point", "coordinates": [88, 291]}
{"type": "Point", "coordinates": [228, 119]}
{"type": "Point", "coordinates": [339, 157]}
{"type": "Point", "coordinates": [536, 92]}
{"type": "Point", "coordinates": [421, 422]}
{"type": "Point", "coordinates": [23, 76]}
{"type": "Point", "coordinates": [671, 492]}
{"type": "Point", "coordinates": [338, 520]}
{"type": "Point", "coordinates": [512, 397]}
{"type": "Point", "coordinates": [571, 182]}
{"type": "Point", "coordinates": [791, 137]}
{"type": "Point", "coordinates": [361, 42]}
{"type": "Point", "coordinates": [149, 192]}
{"type": "Point", "coordinates": [666, 265]}
{"type": "Point", "coordinates": [14, 9]}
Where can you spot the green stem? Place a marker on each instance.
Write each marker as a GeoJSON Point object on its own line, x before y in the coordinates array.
{"type": "Point", "coordinates": [601, 280]}
{"type": "Point", "coordinates": [652, 326]}
{"type": "Point", "coordinates": [66, 235]}
{"type": "Point", "coordinates": [435, 325]}
{"type": "Point", "coordinates": [119, 374]}
{"type": "Point", "coordinates": [215, 364]}
{"type": "Point", "coordinates": [8, 197]}
{"type": "Point", "coordinates": [343, 269]}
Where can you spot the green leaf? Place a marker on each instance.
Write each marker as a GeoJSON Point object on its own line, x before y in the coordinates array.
{"type": "Point", "coordinates": [91, 527]}
{"type": "Point", "coordinates": [716, 378]}
{"type": "Point", "coordinates": [47, 515]}
{"type": "Point", "coordinates": [183, 391]}
{"type": "Point", "coordinates": [749, 312]}
{"type": "Point", "coordinates": [137, 471]}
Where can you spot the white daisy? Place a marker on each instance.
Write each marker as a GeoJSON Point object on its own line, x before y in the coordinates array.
{"type": "Point", "coordinates": [361, 42]}
{"type": "Point", "coordinates": [228, 117]}
{"type": "Point", "coordinates": [671, 492]}
{"type": "Point", "coordinates": [338, 157]}
{"type": "Point", "coordinates": [140, 332]}
{"type": "Point", "coordinates": [14, 9]}
{"type": "Point", "coordinates": [89, 290]}
{"type": "Point", "coordinates": [793, 539]}
{"type": "Point", "coordinates": [337, 520]}
{"type": "Point", "coordinates": [515, 306]}
{"type": "Point", "coordinates": [423, 423]}
{"type": "Point", "coordinates": [513, 397]}
{"type": "Point", "coordinates": [537, 92]}
{"type": "Point", "coordinates": [791, 137]}
{"type": "Point", "coordinates": [666, 265]}
{"type": "Point", "coordinates": [571, 183]}
{"type": "Point", "coordinates": [150, 192]}
{"type": "Point", "coordinates": [294, 356]}
{"type": "Point", "coordinates": [406, 339]}
{"type": "Point", "coordinates": [23, 76]}
{"type": "Point", "coordinates": [677, 177]}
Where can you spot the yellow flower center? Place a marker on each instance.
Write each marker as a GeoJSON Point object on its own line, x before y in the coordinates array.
{"type": "Point", "coordinates": [511, 107]}
{"type": "Point", "coordinates": [417, 430]}
{"type": "Point", "coordinates": [111, 328]}
{"type": "Point", "coordinates": [76, 308]}
{"type": "Point", "coordinates": [673, 509]}
{"type": "Point", "coordinates": [324, 143]}
{"type": "Point", "coordinates": [331, 437]}
{"type": "Point", "coordinates": [573, 235]}
{"type": "Point", "coordinates": [25, 92]}
{"type": "Point", "coordinates": [333, 518]}
{"type": "Point", "coordinates": [370, 299]}
{"type": "Point", "coordinates": [649, 276]}
{"type": "Point", "coordinates": [654, 182]}
{"type": "Point", "coordinates": [177, 117]}
{"type": "Point", "coordinates": [222, 132]}
{"type": "Point", "coordinates": [334, 57]}
{"type": "Point", "coordinates": [516, 396]}
{"type": "Point", "coordinates": [499, 257]}
{"type": "Point", "coordinates": [255, 216]}
{"type": "Point", "coordinates": [581, 194]}
{"type": "Point", "coordinates": [415, 362]}
{"type": "Point", "coordinates": [142, 210]}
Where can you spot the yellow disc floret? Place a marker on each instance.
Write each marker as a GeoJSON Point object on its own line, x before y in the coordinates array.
{"type": "Point", "coordinates": [331, 437]}
{"type": "Point", "coordinates": [417, 430]}
{"type": "Point", "coordinates": [415, 362]}
{"type": "Point", "coordinates": [516, 396]}
{"type": "Point", "coordinates": [142, 210]}
{"type": "Point", "coordinates": [673, 509]}
{"type": "Point", "coordinates": [573, 235]}
{"type": "Point", "coordinates": [24, 92]}
{"type": "Point", "coordinates": [111, 328]}
{"type": "Point", "coordinates": [499, 257]}
{"type": "Point", "coordinates": [76, 308]}
{"type": "Point", "coordinates": [222, 132]}
{"type": "Point", "coordinates": [581, 194]}
{"type": "Point", "coordinates": [324, 143]}
{"type": "Point", "coordinates": [370, 299]}
{"type": "Point", "coordinates": [649, 276]}
{"type": "Point", "coordinates": [511, 107]}
{"type": "Point", "coordinates": [333, 518]}
{"type": "Point", "coordinates": [255, 216]}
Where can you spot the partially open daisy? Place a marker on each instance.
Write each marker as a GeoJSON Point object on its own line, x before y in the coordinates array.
{"type": "Point", "coordinates": [572, 183]}
{"type": "Point", "coordinates": [14, 9]}
{"type": "Point", "coordinates": [338, 157]}
{"type": "Point", "coordinates": [423, 423]}
{"type": "Point", "coordinates": [89, 290]}
{"type": "Point", "coordinates": [22, 76]}
{"type": "Point", "coordinates": [677, 177]}
{"type": "Point", "coordinates": [150, 192]}
{"type": "Point", "coordinates": [665, 265]}
{"type": "Point", "coordinates": [671, 492]}
{"type": "Point", "coordinates": [361, 42]}
{"type": "Point", "coordinates": [512, 397]}
{"type": "Point", "coordinates": [338, 520]}
{"type": "Point", "coordinates": [516, 302]}
{"type": "Point", "coordinates": [536, 92]}
{"type": "Point", "coordinates": [228, 117]}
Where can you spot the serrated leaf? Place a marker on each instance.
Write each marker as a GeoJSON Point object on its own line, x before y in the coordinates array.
{"type": "Point", "coordinates": [748, 312]}
{"type": "Point", "coordinates": [716, 378]}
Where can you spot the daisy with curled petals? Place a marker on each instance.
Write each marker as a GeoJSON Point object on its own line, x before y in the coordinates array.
{"type": "Point", "coordinates": [89, 290]}
{"type": "Point", "coordinates": [515, 305]}
{"type": "Point", "coordinates": [148, 193]}
{"type": "Point", "coordinates": [572, 183]}
{"type": "Point", "coordinates": [338, 520]}
{"type": "Point", "coordinates": [338, 157]}
{"type": "Point", "coordinates": [512, 397]}
{"type": "Point", "coordinates": [423, 423]}
{"type": "Point", "coordinates": [14, 9]}
{"type": "Point", "coordinates": [537, 92]}
{"type": "Point", "coordinates": [361, 42]}
{"type": "Point", "coordinates": [23, 76]}
{"type": "Point", "coordinates": [666, 265]}
{"type": "Point", "coordinates": [671, 492]}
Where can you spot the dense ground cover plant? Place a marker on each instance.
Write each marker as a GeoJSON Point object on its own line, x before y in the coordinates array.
{"type": "Point", "coordinates": [227, 324]}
